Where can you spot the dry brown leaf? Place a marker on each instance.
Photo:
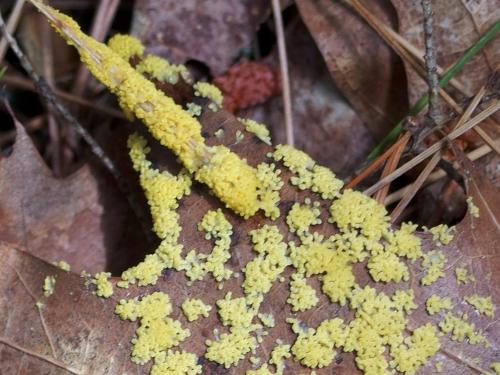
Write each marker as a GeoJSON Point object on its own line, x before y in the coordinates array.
{"type": "Point", "coordinates": [212, 32]}
{"type": "Point", "coordinates": [325, 125]}
{"type": "Point", "coordinates": [457, 26]}
{"type": "Point", "coordinates": [82, 219]}
{"type": "Point", "coordinates": [366, 70]}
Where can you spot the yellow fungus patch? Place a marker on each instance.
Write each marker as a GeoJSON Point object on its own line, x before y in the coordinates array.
{"type": "Point", "coordinates": [157, 332]}
{"type": "Point", "coordinates": [302, 296]}
{"type": "Point", "coordinates": [193, 308]}
{"type": "Point", "coordinates": [176, 363]}
{"type": "Point", "coordinates": [270, 184]}
{"type": "Point", "coordinates": [473, 209]}
{"type": "Point", "coordinates": [404, 300]}
{"type": "Point", "coordinates": [439, 366]}
{"type": "Point", "coordinates": [263, 370]}
{"type": "Point", "coordinates": [462, 275]}
{"type": "Point", "coordinates": [403, 242]}
{"type": "Point", "coordinates": [325, 183]}
{"type": "Point", "coordinates": [279, 353]}
{"type": "Point", "coordinates": [435, 304]}
{"type": "Point", "coordinates": [415, 350]}
{"type": "Point", "coordinates": [441, 234]}
{"type": "Point", "coordinates": [231, 347]}
{"type": "Point", "coordinates": [162, 70]}
{"type": "Point", "coordinates": [483, 305]}
{"type": "Point", "coordinates": [103, 285]}
{"type": "Point", "coordinates": [239, 136]}
{"type": "Point", "coordinates": [433, 264]}
{"type": "Point", "coordinates": [126, 46]}
{"type": "Point", "coordinates": [193, 109]}
{"type": "Point", "coordinates": [211, 92]}
{"type": "Point", "coordinates": [302, 216]}
{"type": "Point", "coordinates": [354, 210]}
{"type": "Point", "coordinates": [62, 265]}
{"type": "Point", "coordinates": [267, 319]}
{"type": "Point", "coordinates": [259, 130]}
{"type": "Point", "coordinates": [461, 329]}
{"type": "Point", "coordinates": [266, 267]}
{"type": "Point", "coordinates": [216, 226]}
{"type": "Point", "coordinates": [387, 267]}
{"type": "Point", "coordinates": [315, 347]}
{"type": "Point", "coordinates": [48, 285]}
{"type": "Point", "coordinates": [495, 366]}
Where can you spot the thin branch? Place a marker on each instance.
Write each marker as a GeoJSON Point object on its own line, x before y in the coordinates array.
{"type": "Point", "coordinates": [439, 174]}
{"type": "Point", "coordinates": [285, 78]}
{"type": "Point", "coordinates": [12, 22]}
{"type": "Point", "coordinates": [51, 99]}
{"type": "Point", "coordinates": [434, 148]}
{"type": "Point", "coordinates": [434, 112]}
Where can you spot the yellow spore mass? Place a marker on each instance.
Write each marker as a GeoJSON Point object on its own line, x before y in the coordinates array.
{"type": "Point", "coordinates": [126, 46]}
{"type": "Point", "coordinates": [157, 332]}
{"type": "Point", "coordinates": [441, 234]}
{"type": "Point", "coordinates": [461, 329]}
{"type": "Point", "coordinates": [103, 285]}
{"type": "Point", "coordinates": [48, 285]}
{"type": "Point", "coordinates": [162, 70]}
{"type": "Point", "coordinates": [302, 216]}
{"type": "Point", "coordinates": [176, 363]}
{"type": "Point", "coordinates": [259, 130]}
{"type": "Point", "coordinates": [483, 305]}
{"type": "Point", "coordinates": [278, 355]}
{"type": "Point", "coordinates": [433, 264]}
{"type": "Point", "coordinates": [62, 265]}
{"type": "Point", "coordinates": [473, 209]}
{"type": "Point", "coordinates": [211, 92]}
{"type": "Point", "coordinates": [229, 176]}
{"type": "Point", "coordinates": [193, 308]}
{"type": "Point", "coordinates": [462, 275]}
{"type": "Point", "coordinates": [435, 304]}
{"type": "Point", "coordinates": [302, 296]}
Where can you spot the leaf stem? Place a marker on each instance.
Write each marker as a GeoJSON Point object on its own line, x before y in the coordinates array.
{"type": "Point", "coordinates": [423, 101]}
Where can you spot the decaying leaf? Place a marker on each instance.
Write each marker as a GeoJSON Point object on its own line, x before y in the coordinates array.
{"type": "Point", "coordinates": [219, 29]}
{"type": "Point", "coordinates": [365, 69]}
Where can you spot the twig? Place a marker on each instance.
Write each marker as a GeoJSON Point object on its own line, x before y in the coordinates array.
{"type": "Point", "coordinates": [100, 26]}
{"type": "Point", "coordinates": [49, 96]}
{"type": "Point", "coordinates": [390, 166]}
{"type": "Point", "coordinates": [434, 112]}
{"type": "Point", "coordinates": [12, 22]}
{"type": "Point", "coordinates": [377, 162]}
{"type": "Point", "coordinates": [422, 102]}
{"type": "Point", "coordinates": [439, 174]}
{"type": "Point", "coordinates": [26, 84]}
{"type": "Point", "coordinates": [285, 78]}
{"type": "Point", "coordinates": [435, 147]}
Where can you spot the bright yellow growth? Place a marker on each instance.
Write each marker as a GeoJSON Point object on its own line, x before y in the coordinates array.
{"type": "Point", "coordinates": [308, 175]}
{"type": "Point", "coordinates": [404, 300]}
{"type": "Point", "coordinates": [441, 234]}
{"type": "Point", "coordinates": [216, 226]}
{"type": "Point", "coordinates": [302, 296]}
{"type": "Point", "coordinates": [176, 363]}
{"type": "Point", "coordinates": [268, 190]}
{"type": "Point", "coordinates": [48, 285]}
{"type": "Point", "coordinates": [435, 304]}
{"type": "Point", "coordinates": [258, 129]}
{"type": "Point", "coordinates": [403, 242]}
{"type": "Point", "coordinates": [162, 70]}
{"type": "Point", "coordinates": [262, 271]}
{"type": "Point", "coordinates": [126, 46]}
{"type": "Point", "coordinates": [267, 319]}
{"type": "Point", "coordinates": [211, 92]}
{"type": "Point", "coordinates": [315, 347]}
{"type": "Point", "coordinates": [193, 308]}
{"type": "Point", "coordinates": [279, 353]}
{"type": "Point", "coordinates": [433, 263]}
{"type": "Point", "coordinates": [263, 370]}
{"type": "Point", "coordinates": [103, 285]}
{"type": "Point", "coordinates": [302, 216]}
{"type": "Point", "coordinates": [495, 366]}
{"type": "Point", "coordinates": [460, 329]}
{"type": "Point", "coordinates": [416, 350]}
{"type": "Point", "coordinates": [387, 267]}
{"type": "Point", "coordinates": [229, 176]}
{"type": "Point", "coordinates": [462, 275]}
{"type": "Point", "coordinates": [473, 209]}
{"type": "Point", "coordinates": [157, 332]}
{"type": "Point", "coordinates": [482, 304]}
{"type": "Point", "coordinates": [193, 109]}
{"type": "Point", "coordinates": [62, 265]}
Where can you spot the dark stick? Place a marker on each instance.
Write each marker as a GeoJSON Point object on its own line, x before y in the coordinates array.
{"type": "Point", "coordinates": [46, 93]}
